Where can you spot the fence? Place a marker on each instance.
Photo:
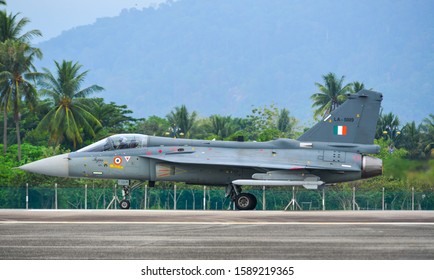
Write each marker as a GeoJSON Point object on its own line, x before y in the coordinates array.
{"type": "Point", "coordinates": [212, 198]}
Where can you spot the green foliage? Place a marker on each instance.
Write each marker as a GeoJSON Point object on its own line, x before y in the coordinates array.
{"type": "Point", "coordinates": [221, 126]}
{"type": "Point", "coordinates": [263, 118]}
{"type": "Point", "coordinates": [200, 130]}
{"type": "Point", "coordinates": [286, 124]}
{"type": "Point", "coordinates": [70, 115]}
{"type": "Point", "coordinates": [269, 134]}
{"type": "Point", "coordinates": [11, 28]}
{"type": "Point", "coordinates": [268, 123]}
{"type": "Point", "coordinates": [331, 94]}
{"type": "Point", "coordinates": [427, 136]}
{"type": "Point", "coordinates": [388, 127]}
{"type": "Point", "coordinates": [388, 151]}
{"type": "Point", "coordinates": [421, 175]}
{"type": "Point", "coordinates": [181, 122]}
{"type": "Point", "coordinates": [356, 87]}
{"type": "Point", "coordinates": [9, 176]}
{"type": "Point", "coordinates": [113, 118]}
{"type": "Point", "coordinates": [410, 140]}
{"type": "Point", "coordinates": [16, 59]}
{"type": "Point", "coordinates": [417, 140]}
{"type": "Point", "coordinates": [398, 169]}
{"type": "Point", "coordinates": [153, 125]}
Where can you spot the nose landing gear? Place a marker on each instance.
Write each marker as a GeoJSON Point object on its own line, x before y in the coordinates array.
{"type": "Point", "coordinates": [126, 197]}
{"type": "Point", "coordinates": [125, 202]}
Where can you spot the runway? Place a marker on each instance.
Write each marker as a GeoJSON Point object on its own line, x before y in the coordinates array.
{"type": "Point", "coordinates": [139, 234]}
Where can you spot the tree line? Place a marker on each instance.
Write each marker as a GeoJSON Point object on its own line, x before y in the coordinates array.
{"type": "Point", "coordinates": [51, 113]}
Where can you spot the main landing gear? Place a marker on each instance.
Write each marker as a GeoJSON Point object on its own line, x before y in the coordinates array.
{"type": "Point", "coordinates": [243, 201]}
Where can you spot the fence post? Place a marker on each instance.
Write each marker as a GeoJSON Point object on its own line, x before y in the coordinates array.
{"type": "Point", "coordinates": [264, 207]}
{"type": "Point", "coordinates": [354, 198]}
{"type": "Point", "coordinates": [382, 201]}
{"type": "Point", "coordinates": [174, 197]}
{"type": "Point", "coordinates": [412, 198]}
{"type": "Point", "coordinates": [55, 195]}
{"type": "Point", "coordinates": [85, 196]}
{"type": "Point", "coordinates": [146, 197]}
{"type": "Point", "coordinates": [115, 196]}
{"type": "Point", "coordinates": [204, 197]}
{"type": "Point", "coordinates": [27, 196]}
{"type": "Point", "coordinates": [323, 199]}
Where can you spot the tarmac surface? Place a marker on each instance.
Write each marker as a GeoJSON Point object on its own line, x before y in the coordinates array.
{"type": "Point", "coordinates": [154, 235]}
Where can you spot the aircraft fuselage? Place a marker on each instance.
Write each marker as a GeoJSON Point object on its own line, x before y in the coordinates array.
{"type": "Point", "coordinates": [181, 160]}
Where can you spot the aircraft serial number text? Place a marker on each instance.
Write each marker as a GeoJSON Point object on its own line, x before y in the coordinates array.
{"type": "Point", "coordinates": [339, 119]}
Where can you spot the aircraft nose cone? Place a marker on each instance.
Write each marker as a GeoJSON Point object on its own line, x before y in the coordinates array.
{"type": "Point", "coordinates": [52, 166]}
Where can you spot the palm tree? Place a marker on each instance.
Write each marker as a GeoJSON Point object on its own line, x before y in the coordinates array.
{"type": "Point", "coordinates": [410, 140]}
{"type": "Point", "coordinates": [71, 112]}
{"type": "Point", "coordinates": [221, 126]}
{"type": "Point", "coordinates": [427, 128]}
{"type": "Point", "coordinates": [330, 95]}
{"type": "Point", "coordinates": [388, 128]}
{"type": "Point", "coordinates": [286, 123]}
{"type": "Point", "coordinates": [16, 63]}
{"type": "Point", "coordinates": [10, 29]}
{"type": "Point", "coordinates": [181, 120]}
{"type": "Point", "coordinates": [5, 93]}
{"type": "Point", "coordinates": [356, 87]}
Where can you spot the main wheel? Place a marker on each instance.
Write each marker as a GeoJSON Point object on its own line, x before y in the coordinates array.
{"type": "Point", "coordinates": [124, 204]}
{"type": "Point", "coordinates": [245, 201]}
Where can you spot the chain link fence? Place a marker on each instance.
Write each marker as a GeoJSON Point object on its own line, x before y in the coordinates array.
{"type": "Point", "coordinates": [212, 198]}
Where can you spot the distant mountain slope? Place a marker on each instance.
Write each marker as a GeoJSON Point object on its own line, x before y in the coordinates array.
{"type": "Point", "coordinates": [225, 56]}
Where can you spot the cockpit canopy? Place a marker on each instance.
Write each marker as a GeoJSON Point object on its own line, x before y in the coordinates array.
{"type": "Point", "coordinates": [117, 142]}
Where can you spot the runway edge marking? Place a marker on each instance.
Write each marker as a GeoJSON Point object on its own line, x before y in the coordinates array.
{"type": "Point", "coordinates": [220, 223]}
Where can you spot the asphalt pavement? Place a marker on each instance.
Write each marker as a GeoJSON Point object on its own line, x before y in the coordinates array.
{"type": "Point", "coordinates": [138, 234]}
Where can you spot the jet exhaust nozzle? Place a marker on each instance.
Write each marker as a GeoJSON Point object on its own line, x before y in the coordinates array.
{"type": "Point", "coordinates": [371, 167]}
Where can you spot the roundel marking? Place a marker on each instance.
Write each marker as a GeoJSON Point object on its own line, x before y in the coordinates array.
{"type": "Point", "coordinates": [117, 160]}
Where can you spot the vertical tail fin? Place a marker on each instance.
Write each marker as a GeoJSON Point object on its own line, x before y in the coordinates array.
{"type": "Point", "coordinates": [354, 121]}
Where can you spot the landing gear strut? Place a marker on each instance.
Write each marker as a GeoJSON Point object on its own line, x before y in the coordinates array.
{"type": "Point", "coordinates": [126, 190]}
{"type": "Point", "coordinates": [242, 201]}
{"type": "Point", "coordinates": [125, 202]}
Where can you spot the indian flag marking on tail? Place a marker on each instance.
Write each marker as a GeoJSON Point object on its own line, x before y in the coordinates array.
{"type": "Point", "coordinates": [340, 130]}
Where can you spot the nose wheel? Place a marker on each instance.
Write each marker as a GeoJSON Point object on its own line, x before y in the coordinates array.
{"type": "Point", "coordinates": [124, 204]}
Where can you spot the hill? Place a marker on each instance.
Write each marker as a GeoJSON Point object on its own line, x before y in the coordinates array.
{"type": "Point", "coordinates": [226, 56]}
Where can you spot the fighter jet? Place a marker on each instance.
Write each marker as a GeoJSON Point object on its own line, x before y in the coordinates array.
{"type": "Point", "coordinates": [334, 150]}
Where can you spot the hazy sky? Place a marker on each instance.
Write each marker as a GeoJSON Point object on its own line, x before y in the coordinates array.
{"type": "Point", "coordinates": [52, 17]}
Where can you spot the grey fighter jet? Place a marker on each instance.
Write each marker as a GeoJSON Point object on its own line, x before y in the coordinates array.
{"type": "Point", "coordinates": [334, 150]}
